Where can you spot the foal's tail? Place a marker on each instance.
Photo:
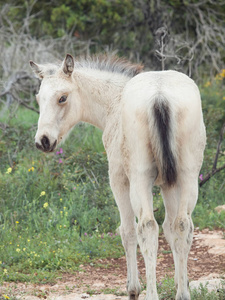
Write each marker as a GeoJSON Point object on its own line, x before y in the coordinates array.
{"type": "Point", "coordinates": [163, 138]}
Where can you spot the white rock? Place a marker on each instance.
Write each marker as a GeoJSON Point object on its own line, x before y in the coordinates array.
{"type": "Point", "coordinates": [211, 285]}
{"type": "Point", "coordinates": [220, 208]}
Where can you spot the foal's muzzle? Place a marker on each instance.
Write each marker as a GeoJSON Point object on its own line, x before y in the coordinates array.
{"type": "Point", "coordinates": [46, 145]}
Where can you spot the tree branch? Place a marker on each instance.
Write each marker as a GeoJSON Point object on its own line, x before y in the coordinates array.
{"type": "Point", "coordinates": [24, 104]}
{"type": "Point", "coordinates": [214, 167]}
{"type": "Point", "coordinates": [211, 174]}
{"type": "Point", "coordinates": [218, 146]}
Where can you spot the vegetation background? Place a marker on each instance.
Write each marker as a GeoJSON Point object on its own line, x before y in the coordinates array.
{"type": "Point", "coordinates": [57, 211]}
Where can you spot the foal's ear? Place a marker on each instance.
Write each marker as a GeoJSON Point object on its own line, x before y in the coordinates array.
{"type": "Point", "coordinates": [68, 65]}
{"type": "Point", "coordinates": [37, 69]}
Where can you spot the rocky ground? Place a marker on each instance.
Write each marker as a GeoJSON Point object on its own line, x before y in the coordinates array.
{"type": "Point", "coordinates": [206, 263]}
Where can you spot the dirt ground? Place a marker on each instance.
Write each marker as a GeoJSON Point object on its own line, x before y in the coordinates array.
{"type": "Point", "coordinates": [206, 262]}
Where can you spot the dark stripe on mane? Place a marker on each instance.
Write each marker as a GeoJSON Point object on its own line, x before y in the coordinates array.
{"type": "Point", "coordinates": [109, 63]}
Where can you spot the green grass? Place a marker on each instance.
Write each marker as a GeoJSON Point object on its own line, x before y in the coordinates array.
{"type": "Point", "coordinates": [34, 256]}
{"type": "Point", "coordinates": [57, 210]}
{"type": "Point", "coordinates": [22, 116]}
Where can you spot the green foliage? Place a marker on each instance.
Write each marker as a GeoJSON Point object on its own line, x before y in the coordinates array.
{"type": "Point", "coordinates": [213, 95]}
{"type": "Point", "coordinates": [211, 194]}
{"type": "Point", "coordinates": [85, 18]}
{"type": "Point", "coordinates": [32, 256]}
{"type": "Point", "coordinates": [202, 293]}
{"type": "Point", "coordinates": [166, 289]}
{"type": "Point", "coordinates": [80, 179]}
{"type": "Point", "coordinates": [130, 28]}
{"type": "Point", "coordinates": [57, 210]}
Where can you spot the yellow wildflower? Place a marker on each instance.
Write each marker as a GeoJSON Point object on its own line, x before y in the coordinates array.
{"type": "Point", "coordinates": [9, 171]}
{"type": "Point", "coordinates": [18, 250]}
{"type": "Point", "coordinates": [5, 271]}
{"type": "Point", "coordinates": [222, 74]}
{"type": "Point", "coordinates": [42, 193]}
{"type": "Point", "coordinates": [31, 169]}
{"type": "Point", "coordinates": [208, 83]}
{"type": "Point", "coordinates": [45, 205]}
{"type": "Point", "coordinates": [5, 296]}
{"type": "Point", "coordinates": [17, 222]}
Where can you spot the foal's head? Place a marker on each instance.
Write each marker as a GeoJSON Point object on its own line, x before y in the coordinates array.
{"type": "Point", "coordinates": [58, 113]}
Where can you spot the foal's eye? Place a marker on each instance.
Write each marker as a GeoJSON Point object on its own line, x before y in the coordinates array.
{"type": "Point", "coordinates": [63, 99]}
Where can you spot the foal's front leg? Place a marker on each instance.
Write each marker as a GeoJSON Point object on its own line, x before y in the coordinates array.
{"type": "Point", "coordinates": [121, 187]}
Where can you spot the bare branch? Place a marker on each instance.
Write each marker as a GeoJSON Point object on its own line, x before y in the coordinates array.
{"type": "Point", "coordinates": [214, 167]}
{"type": "Point", "coordinates": [211, 174]}
{"type": "Point", "coordinates": [201, 44]}
{"type": "Point", "coordinates": [24, 104]}
{"type": "Point", "coordinates": [218, 146]}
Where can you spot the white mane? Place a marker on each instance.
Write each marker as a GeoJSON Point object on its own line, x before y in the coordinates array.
{"type": "Point", "coordinates": [109, 63]}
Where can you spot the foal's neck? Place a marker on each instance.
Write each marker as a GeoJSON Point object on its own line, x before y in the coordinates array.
{"type": "Point", "coordinates": [100, 92]}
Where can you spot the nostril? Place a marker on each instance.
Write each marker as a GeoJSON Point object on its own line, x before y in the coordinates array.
{"type": "Point", "coordinates": [38, 146]}
{"type": "Point", "coordinates": [45, 142]}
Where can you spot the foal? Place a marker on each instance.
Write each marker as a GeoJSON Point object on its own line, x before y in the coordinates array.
{"type": "Point", "coordinates": [153, 133]}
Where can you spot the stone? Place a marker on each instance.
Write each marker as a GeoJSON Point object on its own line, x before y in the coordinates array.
{"type": "Point", "coordinates": [220, 208]}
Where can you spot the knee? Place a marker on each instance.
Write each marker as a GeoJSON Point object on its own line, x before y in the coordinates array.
{"type": "Point", "coordinates": [147, 225]}
{"type": "Point", "coordinates": [184, 227]}
{"type": "Point", "coordinates": [147, 233]}
{"type": "Point", "coordinates": [183, 224]}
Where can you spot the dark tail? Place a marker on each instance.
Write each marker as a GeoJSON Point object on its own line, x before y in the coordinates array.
{"type": "Point", "coordinates": [167, 152]}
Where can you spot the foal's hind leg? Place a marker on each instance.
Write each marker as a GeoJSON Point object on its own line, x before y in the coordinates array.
{"type": "Point", "coordinates": [178, 227]}
{"type": "Point", "coordinates": [147, 230]}
{"type": "Point", "coordinates": [142, 173]}
{"type": "Point", "coordinates": [121, 189]}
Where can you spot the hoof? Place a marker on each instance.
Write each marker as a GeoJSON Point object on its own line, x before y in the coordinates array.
{"type": "Point", "coordinates": [133, 296]}
{"type": "Point", "coordinates": [183, 297]}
